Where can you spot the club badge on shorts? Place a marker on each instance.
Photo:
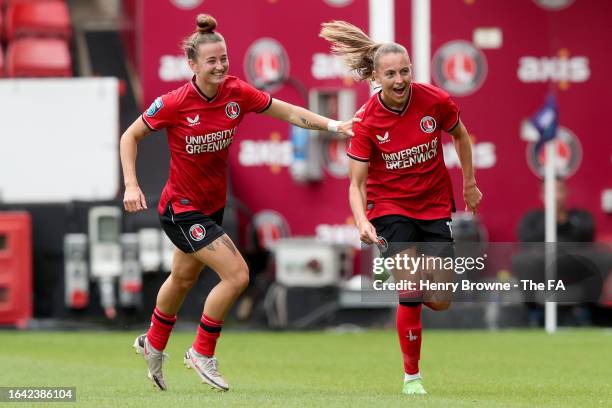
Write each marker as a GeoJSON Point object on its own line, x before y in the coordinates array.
{"type": "Point", "coordinates": [382, 244]}
{"type": "Point", "coordinates": [197, 232]}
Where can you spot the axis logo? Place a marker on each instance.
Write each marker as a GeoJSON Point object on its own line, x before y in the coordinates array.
{"type": "Point", "coordinates": [274, 152]}
{"type": "Point", "coordinates": [173, 68]}
{"type": "Point", "coordinates": [339, 234]}
{"type": "Point", "coordinates": [563, 69]}
{"type": "Point", "coordinates": [328, 66]}
{"type": "Point", "coordinates": [483, 154]}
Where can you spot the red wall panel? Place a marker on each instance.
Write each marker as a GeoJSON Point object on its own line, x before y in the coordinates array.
{"type": "Point", "coordinates": [493, 112]}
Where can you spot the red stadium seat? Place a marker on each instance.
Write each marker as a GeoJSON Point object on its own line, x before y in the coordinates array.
{"type": "Point", "coordinates": [38, 57]}
{"type": "Point", "coordinates": [37, 18]}
{"type": "Point", "coordinates": [5, 3]}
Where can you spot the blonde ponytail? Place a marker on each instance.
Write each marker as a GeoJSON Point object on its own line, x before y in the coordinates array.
{"type": "Point", "coordinates": [357, 50]}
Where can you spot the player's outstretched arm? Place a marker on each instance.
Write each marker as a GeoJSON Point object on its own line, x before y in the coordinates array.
{"type": "Point", "coordinates": [463, 146]}
{"type": "Point", "coordinates": [133, 199]}
{"type": "Point", "coordinates": [309, 120]}
{"type": "Point", "coordinates": [358, 175]}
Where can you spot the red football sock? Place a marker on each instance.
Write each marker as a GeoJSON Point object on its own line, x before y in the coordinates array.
{"type": "Point", "coordinates": [208, 333]}
{"type": "Point", "coordinates": [410, 296]}
{"type": "Point", "coordinates": [409, 332]}
{"type": "Point", "coordinates": [161, 327]}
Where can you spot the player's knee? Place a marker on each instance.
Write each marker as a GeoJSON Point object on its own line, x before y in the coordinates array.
{"type": "Point", "coordinates": [184, 282]}
{"type": "Point", "coordinates": [243, 280]}
{"type": "Point", "coordinates": [239, 278]}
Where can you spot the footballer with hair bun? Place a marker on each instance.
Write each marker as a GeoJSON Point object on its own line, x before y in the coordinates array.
{"type": "Point", "coordinates": [202, 118]}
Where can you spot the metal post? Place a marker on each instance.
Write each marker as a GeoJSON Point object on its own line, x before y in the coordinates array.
{"type": "Point", "coordinates": [421, 40]}
{"type": "Point", "coordinates": [382, 22]}
{"type": "Point", "coordinates": [550, 316]}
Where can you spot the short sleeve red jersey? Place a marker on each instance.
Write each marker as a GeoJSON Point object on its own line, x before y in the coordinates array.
{"type": "Point", "coordinates": [406, 174]}
{"type": "Point", "coordinates": [200, 131]}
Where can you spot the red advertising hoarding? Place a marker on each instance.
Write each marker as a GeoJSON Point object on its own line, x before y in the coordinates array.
{"type": "Point", "coordinates": [499, 59]}
{"type": "Point", "coordinates": [547, 46]}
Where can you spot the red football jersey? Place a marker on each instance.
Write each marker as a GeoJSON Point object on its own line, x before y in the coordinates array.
{"type": "Point", "coordinates": [406, 174]}
{"type": "Point", "coordinates": [200, 131]}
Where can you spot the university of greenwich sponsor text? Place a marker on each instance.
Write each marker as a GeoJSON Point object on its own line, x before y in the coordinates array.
{"type": "Point", "coordinates": [413, 155]}
{"type": "Point", "coordinates": [210, 142]}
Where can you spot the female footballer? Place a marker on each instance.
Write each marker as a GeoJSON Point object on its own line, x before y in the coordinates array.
{"type": "Point", "coordinates": [400, 188]}
{"type": "Point", "coordinates": [201, 118]}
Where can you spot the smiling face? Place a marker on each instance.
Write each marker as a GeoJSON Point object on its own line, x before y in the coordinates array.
{"type": "Point", "coordinates": [393, 72]}
{"type": "Point", "coordinates": [211, 64]}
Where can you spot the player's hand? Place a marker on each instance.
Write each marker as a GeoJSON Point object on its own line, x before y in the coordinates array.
{"type": "Point", "coordinates": [472, 197]}
{"type": "Point", "coordinates": [346, 128]}
{"type": "Point", "coordinates": [133, 199]}
{"type": "Point", "coordinates": [367, 233]}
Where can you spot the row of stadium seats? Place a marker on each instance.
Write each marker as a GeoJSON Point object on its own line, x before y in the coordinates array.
{"type": "Point", "coordinates": [36, 57]}
{"type": "Point", "coordinates": [48, 18]}
{"type": "Point", "coordinates": [36, 35]}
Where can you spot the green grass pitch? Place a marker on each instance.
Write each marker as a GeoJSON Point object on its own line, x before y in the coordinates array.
{"type": "Point", "coordinates": [572, 368]}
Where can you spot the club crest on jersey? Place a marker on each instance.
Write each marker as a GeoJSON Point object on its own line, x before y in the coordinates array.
{"type": "Point", "coordinates": [193, 121]}
{"type": "Point", "coordinates": [428, 124]}
{"type": "Point", "coordinates": [383, 139]}
{"type": "Point", "coordinates": [232, 110]}
{"type": "Point", "coordinates": [197, 232]}
{"type": "Point", "coordinates": [155, 107]}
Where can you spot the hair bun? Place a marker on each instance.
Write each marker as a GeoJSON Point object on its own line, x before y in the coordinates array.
{"type": "Point", "coordinates": [206, 23]}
